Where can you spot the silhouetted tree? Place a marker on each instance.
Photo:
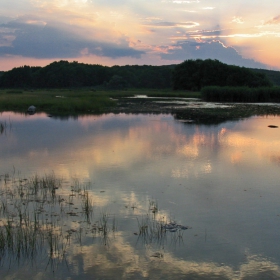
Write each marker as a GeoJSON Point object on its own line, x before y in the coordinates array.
{"type": "Point", "coordinates": [190, 75]}
{"type": "Point", "coordinates": [196, 74]}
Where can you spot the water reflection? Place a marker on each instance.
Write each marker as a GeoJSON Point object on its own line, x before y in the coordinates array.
{"type": "Point", "coordinates": [124, 262]}
{"type": "Point", "coordinates": [221, 180]}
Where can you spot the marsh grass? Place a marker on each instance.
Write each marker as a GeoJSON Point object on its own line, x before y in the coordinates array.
{"type": "Point", "coordinates": [153, 206]}
{"type": "Point", "coordinates": [106, 223]}
{"type": "Point", "coordinates": [241, 94]}
{"type": "Point", "coordinates": [2, 127]}
{"type": "Point", "coordinates": [151, 229]}
{"type": "Point", "coordinates": [5, 126]}
{"type": "Point", "coordinates": [40, 218]}
{"type": "Point", "coordinates": [56, 101]}
{"type": "Point", "coordinates": [76, 101]}
{"type": "Point", "coordinates": [14, 91]}
{"type": "Point", "coordinates": [174, 94]}
{"type": "Point", "coordinates": [44, 218]}
{"type": "Point", "coordinates": [154, 228]}
{"type": "Point", "coordinates": [152, 93]}
{"type": "Point", "coordinates": [87, 206]}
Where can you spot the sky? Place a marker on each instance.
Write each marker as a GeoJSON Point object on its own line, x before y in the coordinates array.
{"type": "Point", "coordinates": [129, 32]}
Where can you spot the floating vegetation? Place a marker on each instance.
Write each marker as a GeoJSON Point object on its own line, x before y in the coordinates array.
{"type": "Point", "coordinates": [43, 219]}
{"type": "Point", "coordinates": [41, 216]}
{"type": "Point", "coordinates": [152, 228]}
{"type": "Point", "coordinates": [173, 227]}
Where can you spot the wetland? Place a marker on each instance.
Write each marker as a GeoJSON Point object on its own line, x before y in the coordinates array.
{"type": "Point", "coordinates": [152, 188]}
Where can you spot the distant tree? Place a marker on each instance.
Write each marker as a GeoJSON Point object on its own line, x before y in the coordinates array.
{"type": "Point", "coordinates": [116, 82]}
{"type": "Point", "coordinates": [273, 76]}
{"type": "Point", "coordinates": [196, 74]}
{"type": "Point", "coordinates": [190, 75]}
{"type": "Point", "coordinates": [18, 77]}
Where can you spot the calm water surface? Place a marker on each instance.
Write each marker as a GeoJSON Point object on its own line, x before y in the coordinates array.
{"type": "Point", "coordinates": [222, 181]}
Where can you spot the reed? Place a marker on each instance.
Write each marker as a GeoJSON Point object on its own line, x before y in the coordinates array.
{"type": "Point", "coordinates": [77, 101]}
{"type": "Point", "coordinates": [55, 101]}
{"type": "Point", "coordinates": [87, 206]}
{"type": "Point", "coordinates": [41, 216]}
{"type": "Point", "coordinates": [2, 127]}
{"type": "Point", "coordinates": [240, 94]}
{"type": "Point", "coordinates": [151, 230]}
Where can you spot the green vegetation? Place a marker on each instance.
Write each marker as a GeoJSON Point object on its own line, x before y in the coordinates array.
{"type": "Point", "coordinates": [64, 74]}
{"type": "Point", "coordinates": [71, 88]}
{"type": "Point", "coordinates": [189, 75]}
{"type": "Point", "coordinates": [56, 101]}
{"type": "Point", "coordinates": [241, 94]}
{"type": "Point", "coordinates": [273, 76]}
{"type": "Point", "coordinates": [196, 74]}
{"type": "Point", "coordinates": [38, 218]}
{"type": "Point", "coordinates": [172, 94]}
{"type": "Point", "coordinates": [210, 116]}
{"type": "Point", "coordinates": [44, 219]}
{"type": "Point", "coordinates": [72, 102]}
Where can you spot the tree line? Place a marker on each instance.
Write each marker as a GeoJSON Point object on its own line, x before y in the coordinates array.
{"type": "Point", "coordinates": [197, 74]}
{"type": "Point", "coordinates": [64, 74]}
{"type": "Point", "coordinates": [189, 75]}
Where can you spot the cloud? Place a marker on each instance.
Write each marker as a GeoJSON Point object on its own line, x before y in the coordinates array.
{"type": "Point", "coordinates": [208, 8]}
{"type": "Point", "coordinates": [275, 20]}
{"type": "Point", "coordinates": [238, 20]}
{"type": "Point", "coordinates": [191, 49]}
{"type": "Point", "coordinates": [40, 40]}
{"type": "Point", "coordinates": [106, 29]}
{"type": "Point", "coordinates": [184, 2]}
{"type": "Point", "coordinates": [188, 24]}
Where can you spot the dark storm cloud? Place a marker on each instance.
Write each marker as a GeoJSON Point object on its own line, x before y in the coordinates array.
{"type": "Point", "coordinates": [213, 50]}
{"type": "Point", "coordinates": [44, 41]}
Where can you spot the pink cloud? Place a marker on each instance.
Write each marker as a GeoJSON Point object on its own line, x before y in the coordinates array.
{"type": "Point", "coordinates": [275, 20]}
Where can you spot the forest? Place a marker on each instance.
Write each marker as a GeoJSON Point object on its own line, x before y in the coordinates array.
{"type": "Point", "coordinates": [197, 74]}
{"type": "Point", "coordinates": [190, 75]}
{"type": "Point", "coordinates": [64, 74]}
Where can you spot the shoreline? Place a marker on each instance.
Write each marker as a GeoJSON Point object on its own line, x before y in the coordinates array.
{"type": "Point", "coordinates": [218, 113]}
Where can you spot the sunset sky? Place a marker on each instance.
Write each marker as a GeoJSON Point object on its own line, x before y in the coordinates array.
{"type": "Point", "coordinates": [154, 32]}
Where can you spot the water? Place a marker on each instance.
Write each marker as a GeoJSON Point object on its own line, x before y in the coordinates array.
{"type": "Point", "coordinates": [221, 181]}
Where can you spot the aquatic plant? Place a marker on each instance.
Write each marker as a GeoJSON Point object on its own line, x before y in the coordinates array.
{"type": "Point", "coordinates": [87, 206]}
{"type": "Point", "coordinates": [33, 213]}
{"type": "Point", "coordinates": [4, 125]}
{"type": "Point", "coordinates": [153, 228]}
{"type": "Point", "coordinates": [42, 217]}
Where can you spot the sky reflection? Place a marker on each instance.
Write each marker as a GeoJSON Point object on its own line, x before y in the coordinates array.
{"type": "Point", "coordinates": [221, 180]}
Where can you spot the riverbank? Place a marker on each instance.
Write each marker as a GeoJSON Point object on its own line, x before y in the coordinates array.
{"type": "Point", "coordinates": [183, 105]}
{"type": "Point", "coordinates": [194, 110]}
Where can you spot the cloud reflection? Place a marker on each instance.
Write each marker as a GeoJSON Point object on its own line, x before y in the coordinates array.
{"type": "Point", "coordinates": [125, 261]}
{"type": "Point", "coordinates": [197, 173]}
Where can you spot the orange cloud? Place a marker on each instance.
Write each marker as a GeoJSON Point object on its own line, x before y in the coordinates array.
{"type": "Point", "coordinates": [275, 20]}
